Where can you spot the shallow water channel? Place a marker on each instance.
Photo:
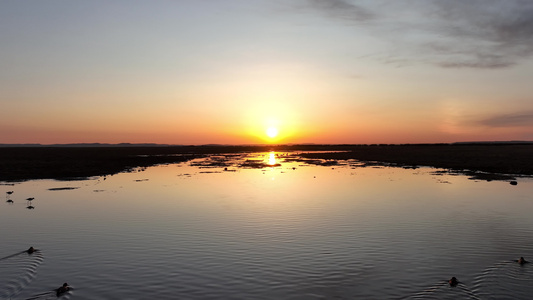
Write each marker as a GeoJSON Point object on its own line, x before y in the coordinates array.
{"type": "Point", "coordinates": [268, 226]}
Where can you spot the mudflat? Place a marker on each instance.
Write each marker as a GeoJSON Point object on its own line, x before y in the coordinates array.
{"type": "Point", "coordinates": [25, 163]}
{"type": "Point", "coordinates": [499, 161]}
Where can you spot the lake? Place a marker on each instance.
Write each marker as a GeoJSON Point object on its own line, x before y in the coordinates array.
{"type": "Point", "coordinates": [268, 226]}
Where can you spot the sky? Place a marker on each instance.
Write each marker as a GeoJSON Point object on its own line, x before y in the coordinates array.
{"type": "Point", "coordinates": [229, 71]}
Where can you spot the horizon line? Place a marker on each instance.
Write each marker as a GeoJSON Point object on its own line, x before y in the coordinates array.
{"type": "Point", "coordinates": [7, 145]}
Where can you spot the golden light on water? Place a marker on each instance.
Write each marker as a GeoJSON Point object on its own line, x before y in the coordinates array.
{"type": "Point", "coordinates": [272, 158]}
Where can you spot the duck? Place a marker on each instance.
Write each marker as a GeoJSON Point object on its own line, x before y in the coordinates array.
{"type": "Point", "coordinates": [453, 281]}
{"type": "Point", "coordinates": [62, 289]}
{"type": "Point", "coordinates": [522, 261]}
{"type": "Point", "coordinates": [31, 250]}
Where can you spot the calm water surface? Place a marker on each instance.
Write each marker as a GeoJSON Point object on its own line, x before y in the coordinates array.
{"type": "Point", "coordinates": [268, 226]}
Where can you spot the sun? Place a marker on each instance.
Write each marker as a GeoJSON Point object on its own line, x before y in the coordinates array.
{"type": "Point", "coordinates": [272, 132]}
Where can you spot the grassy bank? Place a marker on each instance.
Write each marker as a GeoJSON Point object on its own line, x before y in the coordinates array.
{"type": "Point", "coordinates": [23, 163]}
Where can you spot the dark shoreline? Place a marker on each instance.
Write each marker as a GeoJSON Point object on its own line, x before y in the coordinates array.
{"type": "Point", "coordinates": [63, 163]}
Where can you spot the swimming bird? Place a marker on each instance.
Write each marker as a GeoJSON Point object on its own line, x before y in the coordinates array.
{"type": "Point", "coordinates": [31, 250]}
{"type": "Point", "coordinates": [62, 289]}
{"type": "Point", "coordinates": [453, 281]}
{"type": "Point", "coordinates": [522, 261]}
{"type": "Point", "coordinates": [9, 193]}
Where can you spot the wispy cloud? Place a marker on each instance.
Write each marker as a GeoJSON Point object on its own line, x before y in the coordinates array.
{"type": "Point", "coordinates": [341, 9]}
{"type": "Point", "coordinates": [487, 34]}
{"type": "Point", "coordinates": [509, 120]}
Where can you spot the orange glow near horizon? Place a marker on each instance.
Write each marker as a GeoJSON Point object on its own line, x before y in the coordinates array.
{"type": "Point", "coordinates": [269, 129]}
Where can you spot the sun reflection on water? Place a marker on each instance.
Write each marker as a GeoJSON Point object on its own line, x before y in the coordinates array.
{"type": "Point", "coordinates": [272, 158]}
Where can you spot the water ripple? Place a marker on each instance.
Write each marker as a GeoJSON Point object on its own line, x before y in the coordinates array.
{"type": "Point", "coordinates": [17, 271]}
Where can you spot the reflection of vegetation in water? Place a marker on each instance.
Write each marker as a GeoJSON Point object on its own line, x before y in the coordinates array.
{"type": "Point", "coordinates": [260, 160]}
{"type": "Point", "coordinates": [299, 157]}
{"type": "Point", "coordinates": [243, 160]}
{"type": "Point", "coordinates": [263, 160]}
{"type": "Point", "coordinates": [214, 161]}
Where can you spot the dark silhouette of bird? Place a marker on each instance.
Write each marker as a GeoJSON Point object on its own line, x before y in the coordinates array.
{"type": "Point", "coordinates": [522, 261]}
{"type": "Point", "coordinates": [9, 201]}
{"type": "Point", "coordinates": [29, 199]}
{"type": "Point", "coordinates": [453, 281]}
{"type": "Point", "coordinates": [62, 289]}
{"type": "Point", "coordinates": [31, 250]}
